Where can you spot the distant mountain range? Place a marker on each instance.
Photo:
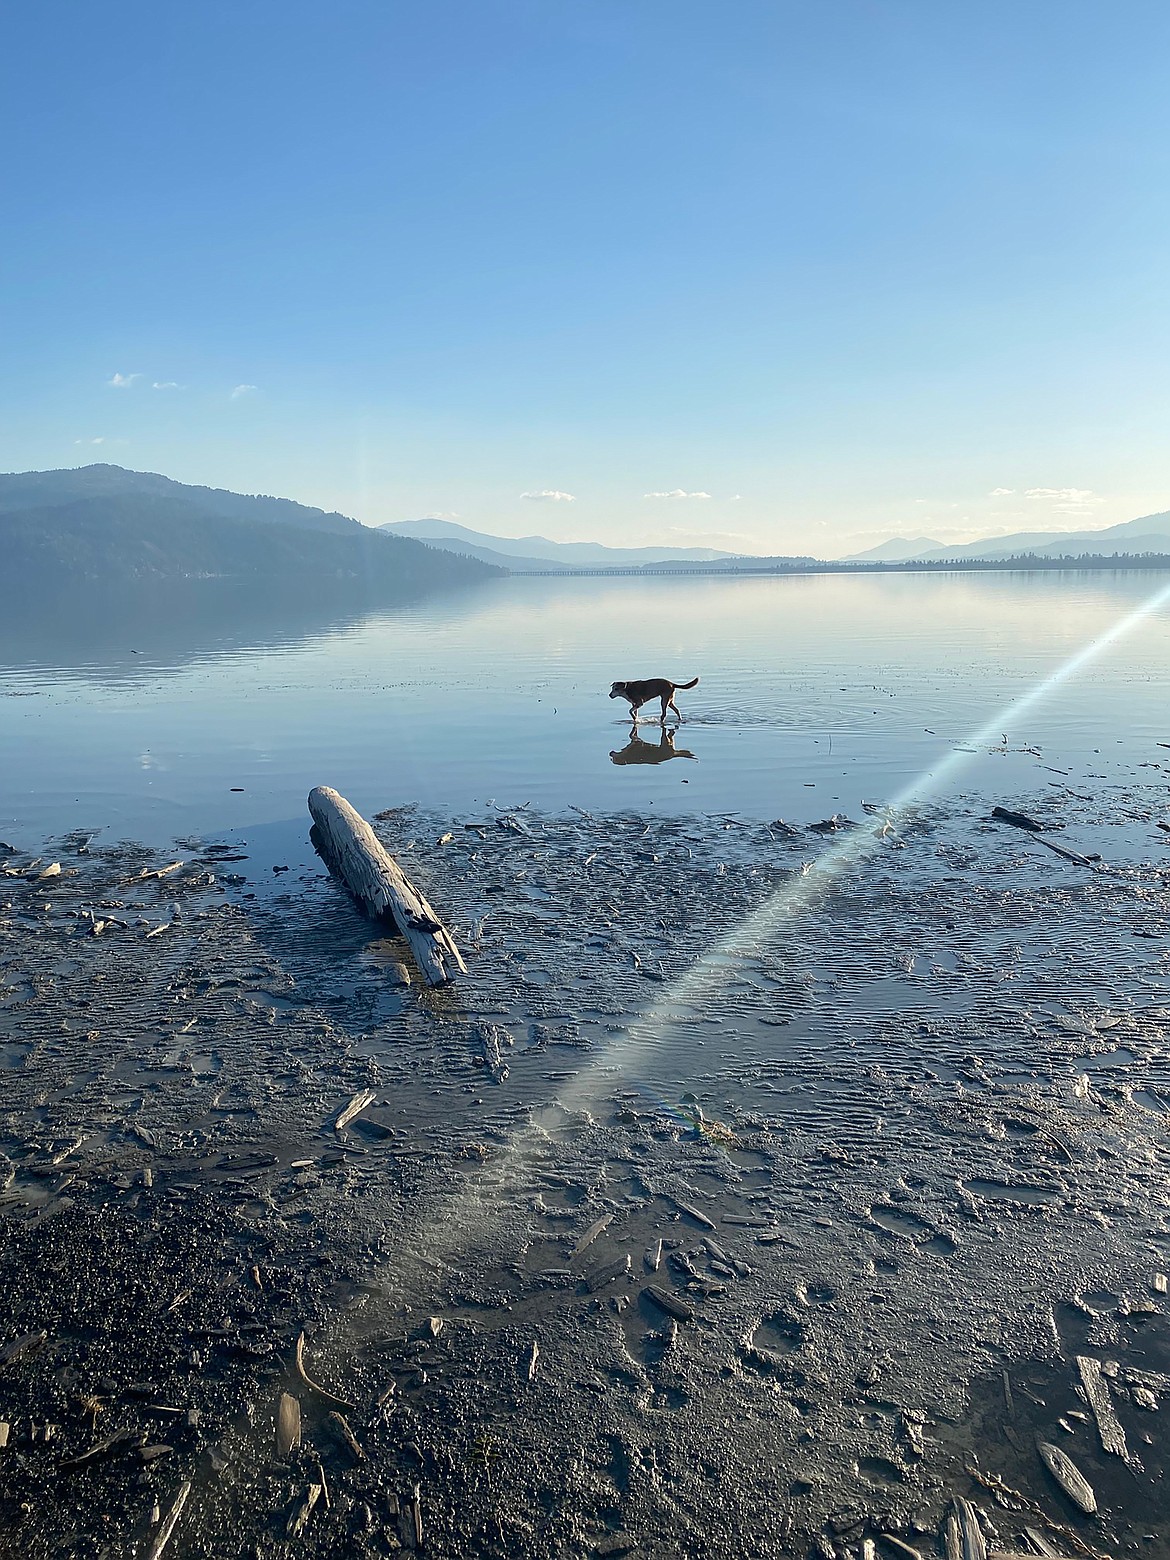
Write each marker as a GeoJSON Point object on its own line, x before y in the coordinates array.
{"type": "Point", "coordinates": [131, 530]}
{"type": "Point", "coordinates": [51, 489]}
{"type": "Point", "coordinates": [1149, 534]}
{"type": "Point", "coordinates": [138, 536]}
{"type": "Point", "coordinates": [538, 552]}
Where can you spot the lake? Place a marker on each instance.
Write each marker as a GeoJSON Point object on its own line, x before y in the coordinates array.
{"type": "Point", "coordinates": [736, 1153]}
{"type": "Point", "coordinates": [816, 693]}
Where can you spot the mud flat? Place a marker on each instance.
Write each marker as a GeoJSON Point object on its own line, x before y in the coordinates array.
{"type": "Point", "coordinates": [673, 1228]}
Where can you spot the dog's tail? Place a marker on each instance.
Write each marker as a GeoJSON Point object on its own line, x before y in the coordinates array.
{"type": "Point", "coordinates": [691, 684]}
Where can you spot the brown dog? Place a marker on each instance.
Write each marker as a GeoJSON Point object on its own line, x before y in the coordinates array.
{"type": "Point", "coordinates": [639, 693]}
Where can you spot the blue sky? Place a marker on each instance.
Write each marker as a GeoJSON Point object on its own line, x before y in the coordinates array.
{"type": "Point", "coordinates": [848, 267]}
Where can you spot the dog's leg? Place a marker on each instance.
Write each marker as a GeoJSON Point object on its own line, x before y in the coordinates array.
{"type": "Point", "coordinates": [676, 709]}
{"type": "Point", "coordinates": [665, 702]}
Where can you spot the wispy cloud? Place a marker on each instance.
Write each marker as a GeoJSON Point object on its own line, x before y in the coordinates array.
{"type": "Point", "coordinates": [1066, 501]}
{"type": "Point", "coordinates": [441, 514]}
{"type": "Point", "coordinates": [676, 493]}
{"type": "Point", "coordinates": [735, 498]}
{"type": "Point", "coordinates": [242, 390]}
{"type": "Point", "coordinates": [89, 441]}
{"type": "Point", "coordinates": [166, 384]}
{"type": "Point", "coordinates": [550, 496]}
{"type": "Point", "coordinates": [123, 381]}
{"type": "Point", "coordinates": [1001, 492]}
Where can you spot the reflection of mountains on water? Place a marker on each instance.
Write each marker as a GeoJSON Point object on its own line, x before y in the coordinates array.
{"type": "Point", "coordinates": [118, 632]}
{"type": "Point", "coordinates": [638, 751]}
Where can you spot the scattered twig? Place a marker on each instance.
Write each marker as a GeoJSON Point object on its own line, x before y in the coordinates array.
{"type": "Point", "coordinates": [313, 1386]}
{"type": "Point", "coordinates": [998, 1486]}
{"type": "Point", "coordinates": [163, 1537]}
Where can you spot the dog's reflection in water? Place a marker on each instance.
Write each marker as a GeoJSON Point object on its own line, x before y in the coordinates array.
{"type": "Point", "coordinates": [636, 751]}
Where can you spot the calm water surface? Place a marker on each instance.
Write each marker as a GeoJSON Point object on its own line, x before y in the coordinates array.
{"type": "Point", "coordinates": [816, 693]}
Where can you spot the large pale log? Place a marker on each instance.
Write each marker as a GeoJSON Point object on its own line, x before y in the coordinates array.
{"type": "Point", "coordinates": [354, 852]}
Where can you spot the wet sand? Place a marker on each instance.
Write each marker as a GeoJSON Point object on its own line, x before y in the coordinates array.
{"type": "Point", "coordinates": [623, 1259]}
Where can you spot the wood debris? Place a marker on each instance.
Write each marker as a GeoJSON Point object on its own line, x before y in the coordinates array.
{"type": "Point", "coordinates": [903, 1550]}
{"type": "Point", "coordinates": [313, 1386]}
{"type": "Point", "coordinates": [605, 1273]}
{"type": "Point", "coordinates": [288, 1424]}
{"type": "Point", "coordinates": [1020, 1554]}
{"type": "Point", "coordinates": [157, 872]}
{"type": "Point", "coordinates": [951, 1537]}
{"type": "Point", "coordinates": [352, 850]}
{"type": "Point", "coordinates": [1108, 1426]}
{"type": "Point", "coordinates": [1069, 855]}
{"type": "Point", "coordinates": [973, 1546]}
{"type": "Point", "coordinates": [1041, 1545]}
{"type": "Point", "coordinates": [691, 1212]}
{"type": "Point", "coordinates": [342, 1426]}
{"type": "Point", "coordinates": [362, 1100]}
{"type": "Point", "coordinates": [120, 1441]}
{"type": "Point", "coordinates": [1018, 820]}
{"type": "Point", "coordinates": [163, 1536]}
{"type": "Point", "coordinates": [1066, 1473]}
{"type": "Point", "coordinates": [22, 1345]}
{"type": "Point", "coordinates": [301, 1514]}
{"type": "Point", "coordinates": [671, 1304]}
{"type": "Point", "coordinates": [491, 1039]}
{"type": "Point", "coordinates": [1005, 1493]}
{"type": "Point", "coordinates": [592, 1233]}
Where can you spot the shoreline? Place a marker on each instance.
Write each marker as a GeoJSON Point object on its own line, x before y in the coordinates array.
{"type": "Point", "coordinates": [879, 1112]}
{"type": "Point", "coordinates": [1024, 564]}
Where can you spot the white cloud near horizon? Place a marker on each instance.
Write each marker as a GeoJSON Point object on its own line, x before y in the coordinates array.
{"type": "Point", "coordinates": [123, 381]}
{"type": "Point", "coordinates": [676, 493]}
{"type": "Point", "coordinates": [1066, 501]}
{"type": "Point", "coordinates": [242, 390]}
{"type": "Point", "coordinates": [440, 514]}
{"type": "Point", "coordinates": [997, 493]}
{"type": "Point", "coordinates": [550, 496]}
{"type": "Point", "coordinates": [90, 441]}
{"type": "Point", "coordinates": [166, 384]}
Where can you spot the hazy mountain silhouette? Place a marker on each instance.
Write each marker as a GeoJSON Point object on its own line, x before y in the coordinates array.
{"type": "Point", "coordinates": [538, 551]}
{"type": "Point", "coordinates": [1148, 534]}
{"type": "Point", "coordinates": [132, 531]}
{"type": "Point", "coordinates": [897, 550]}
{"type": "Point", "coordinates": [52, 489]}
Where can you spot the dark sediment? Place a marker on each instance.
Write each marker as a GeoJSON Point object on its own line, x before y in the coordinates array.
{"type": "Point", "coordinates": [891, 1168]}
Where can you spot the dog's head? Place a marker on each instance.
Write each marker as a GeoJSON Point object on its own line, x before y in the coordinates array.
{"type": "Point", "coordinates": [618, 690]}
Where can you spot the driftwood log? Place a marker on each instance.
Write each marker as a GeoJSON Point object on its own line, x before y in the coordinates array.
{"type": "Point", "coordinates": [352, 850]}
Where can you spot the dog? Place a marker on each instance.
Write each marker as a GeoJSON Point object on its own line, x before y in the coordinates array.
{"type": "Point", "coordinates": [641, 692]}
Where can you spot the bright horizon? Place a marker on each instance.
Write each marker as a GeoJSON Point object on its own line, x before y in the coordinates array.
{"type": "Point", "coordinates": [782, 278]}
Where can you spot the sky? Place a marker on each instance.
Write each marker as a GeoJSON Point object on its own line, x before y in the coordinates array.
{"type": "Point", "coordinates": [787, 277]}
